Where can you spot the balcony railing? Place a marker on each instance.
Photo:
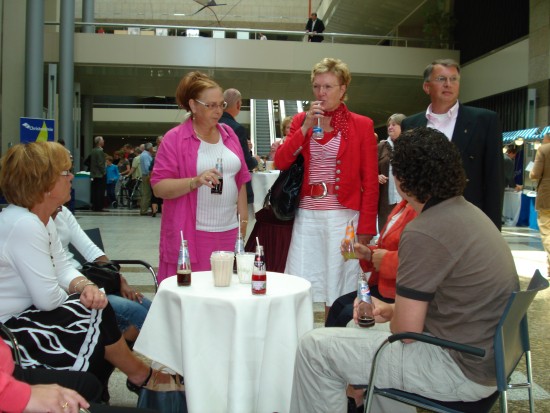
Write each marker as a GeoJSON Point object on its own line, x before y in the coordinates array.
{"type": "Point", "coordinates": [254, 34]}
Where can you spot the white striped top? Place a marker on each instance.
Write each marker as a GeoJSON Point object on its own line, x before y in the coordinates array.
{"type": "Point", "coordinates": [217, 213]}
{"type": "Point", "coordinates": [322, 167]}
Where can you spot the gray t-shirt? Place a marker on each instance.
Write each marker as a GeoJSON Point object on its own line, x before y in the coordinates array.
{"type": "Point", "coordinates": [454, 257]}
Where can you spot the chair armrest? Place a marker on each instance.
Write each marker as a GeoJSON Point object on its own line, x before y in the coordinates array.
{"type": "Point", "coordinates": [144, 264]}
{"type": "Point", "coordinates": [463, 348]}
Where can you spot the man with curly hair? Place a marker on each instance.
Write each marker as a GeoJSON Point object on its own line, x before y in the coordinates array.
{"type": "Point", "coordinates": [451, 259]}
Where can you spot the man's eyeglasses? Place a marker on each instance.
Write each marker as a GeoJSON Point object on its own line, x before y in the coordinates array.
{"type": "Point", "coordinates": [443, 79]}
{"type": "Point", "coordinates": [327, 88]}
{"type": "Point", "coordinates": [212, 106]}
{"type": "Point", "coordinates": [65, 173]}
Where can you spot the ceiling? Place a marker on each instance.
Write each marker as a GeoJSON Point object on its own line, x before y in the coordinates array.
{"type": "Point", "coordinates": [376, 97]}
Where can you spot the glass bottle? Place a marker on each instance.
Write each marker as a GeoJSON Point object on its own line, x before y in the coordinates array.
{"type": "Point", "coordinates": [239, 249]}
{"type": "Point", "coordinates": [365, 307]}
{"type": "Point", "coordinates": [183, 271]}
{"type": "Point", "coordinates": [259, 278]}
{"type": "Point", "coordinates": [217, 189]}
{"type": "Point", "coordinates": [348, 241]}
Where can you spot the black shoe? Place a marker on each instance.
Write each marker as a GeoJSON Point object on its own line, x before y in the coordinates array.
{"type": "Point", "coordinates": [134, 388]}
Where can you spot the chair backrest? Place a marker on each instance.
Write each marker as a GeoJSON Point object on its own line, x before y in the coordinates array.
{"type": "Point", "coordinates": [512, 333]}
{"type": "Point", "coordinates": [95, 235]}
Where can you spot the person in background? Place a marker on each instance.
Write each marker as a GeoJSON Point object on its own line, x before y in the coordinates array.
{"type": "Point", "coordinates": [145, 160]}
{"type": "Point", "coordinates": [123, 163]}
{"type": "Point", "coordinates": [541, 172]}
{"type": "Point", "coordinates": [61, 318]}
{"type": "Point", "coordinates": [234, 104]}
{"type": "Point", "coordinates": [263, 36]}
{"type": "Point", "coordinates": [185, 174]}
{"type": "Point", "coordinates": [475, 132]}
{"type": "Point", "coordinates": [389, 197]}
{"type": "Point", "coordinates": [509, 168]}
{"type": "Point", "coordinates": [135, 170]}
{"type": "Point", "coordinates": [315, 26]}
{"type": "Point", "coordinates": [456, 273]}
{"type": "Point", "coordinates": [340, 182]}
{"type": "Point", "coordinates": [97, 174]}
{"type": "Point", "coordinates": [130, 306]}
{"type": "Point", "coordinates": [285, 130]}
{"type": "Point", "coordinates": [156, 202]}
{"type": "Point", "coordinates": [112, 175]}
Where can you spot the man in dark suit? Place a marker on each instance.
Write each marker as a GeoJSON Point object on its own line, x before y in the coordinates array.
{"type": "Point", "coordinates": [315, 25]}
{"type": "Point", "coordinates": [476, 132]}
{"type": "Point", "coordinates": [234, 103]}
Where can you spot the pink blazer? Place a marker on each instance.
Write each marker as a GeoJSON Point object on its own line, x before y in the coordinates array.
{"type": "Point", "coordinates": [177, 158]}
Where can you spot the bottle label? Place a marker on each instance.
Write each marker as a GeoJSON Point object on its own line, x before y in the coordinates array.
{"type": "Point", "coordinates": [363, 292]}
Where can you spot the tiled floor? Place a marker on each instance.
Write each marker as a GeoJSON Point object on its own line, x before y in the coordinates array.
{"type": "Point", "coordinates": [127, 235]}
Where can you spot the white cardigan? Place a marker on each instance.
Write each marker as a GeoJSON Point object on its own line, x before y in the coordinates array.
{"type": "Point", "coordinates": [34, 269]}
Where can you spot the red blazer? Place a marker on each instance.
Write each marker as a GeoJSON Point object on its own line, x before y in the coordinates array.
{"type": "Point", "coordinates": [356, 166]}
{"type": "Point", "coordinates": [389, 240]}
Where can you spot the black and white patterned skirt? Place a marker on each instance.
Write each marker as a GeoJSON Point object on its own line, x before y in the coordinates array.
{"type": "Point", "coordinates": [65, 338]}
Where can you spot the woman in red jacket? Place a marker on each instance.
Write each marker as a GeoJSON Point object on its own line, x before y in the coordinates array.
{"type": "Point", "coordinates": [340, 182]}
{"type": "Point", "coordinates": [381, 260]}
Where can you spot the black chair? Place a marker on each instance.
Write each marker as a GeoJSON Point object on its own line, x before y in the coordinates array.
{"type": "Point", "coordinates": [511, 343]}
{"type": "Point", "coordinates": [95, 235]}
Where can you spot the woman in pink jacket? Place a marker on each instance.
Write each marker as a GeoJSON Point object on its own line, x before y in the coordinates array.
{"type": "Point", "coordinates": [185, 176]}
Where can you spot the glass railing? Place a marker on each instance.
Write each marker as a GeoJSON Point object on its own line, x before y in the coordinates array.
{"type": "Point", "coordinates": [252, 34]}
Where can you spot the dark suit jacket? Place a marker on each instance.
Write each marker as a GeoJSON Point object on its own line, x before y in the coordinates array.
{"type": "Point", "coordinates": [242, 134]}
{"type": "Point", "coordinates": [319, 28]}
{"type": "Point", "coordinates": [478, 136]}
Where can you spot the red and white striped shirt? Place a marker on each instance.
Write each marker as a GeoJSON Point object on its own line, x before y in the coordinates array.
{"type": "Point", "coordinates": [321, 169]}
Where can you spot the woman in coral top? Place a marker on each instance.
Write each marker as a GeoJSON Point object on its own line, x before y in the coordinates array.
{"type": "Point", "coordinates": [381, 260]}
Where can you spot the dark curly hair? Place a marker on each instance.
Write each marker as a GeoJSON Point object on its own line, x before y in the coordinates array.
{"type": "Point", "coordinates": [427, 165]}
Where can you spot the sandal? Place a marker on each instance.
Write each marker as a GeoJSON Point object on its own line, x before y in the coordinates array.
{"type": "Point", "coordinates": [134, 388]}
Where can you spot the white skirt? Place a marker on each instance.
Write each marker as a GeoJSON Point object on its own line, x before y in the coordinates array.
{"type": "Point", "coordinates": [314, 253]}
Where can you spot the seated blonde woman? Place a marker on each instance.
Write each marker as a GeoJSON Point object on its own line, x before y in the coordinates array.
{"type": "Point", "coordinates": [60, 318]}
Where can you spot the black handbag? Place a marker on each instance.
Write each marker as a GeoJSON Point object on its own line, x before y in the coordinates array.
{"type": "Point", "coordinates": [105, 274]}
{"type": "Point", "coordinates": [284, 195]}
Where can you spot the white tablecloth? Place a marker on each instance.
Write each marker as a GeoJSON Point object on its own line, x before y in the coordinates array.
{"type": "Point", "coordinates": [235, 350]}
{"type": "Point", "coordinates": [261, 183]}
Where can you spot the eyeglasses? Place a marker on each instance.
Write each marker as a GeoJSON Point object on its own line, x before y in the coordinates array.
{"type": "Point", "coordinates": [327, 88]}
{"type": "Point", "coordinates": [65, 173]}
{"type": "Point", "coordinates": [443, 79]}
{"type": "Point", "coordinates": [212, 106]}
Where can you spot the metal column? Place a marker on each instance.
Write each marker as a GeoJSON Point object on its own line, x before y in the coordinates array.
{"type": "Point", "coordinates": [66, 75]}
{"type": "Point", "coordinates": [88, 16]}
{"type": "Point", "coordinates": [34, 59]}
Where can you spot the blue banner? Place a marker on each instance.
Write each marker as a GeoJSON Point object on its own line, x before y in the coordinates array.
{"type": "Point", "coordinates": [36, 130]}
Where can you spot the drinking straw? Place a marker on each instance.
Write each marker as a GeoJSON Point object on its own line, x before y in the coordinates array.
{"type": "Point", "coordinates": [257, 241]}
{"type": "Point", "coordinates": [181, 233]}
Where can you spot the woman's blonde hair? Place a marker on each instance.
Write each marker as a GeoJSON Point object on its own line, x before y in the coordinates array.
{"type": "Point", "coordinates": [336, 67]}
{"type": "Point", "coordinates": [191, 86]}
{"type": "Point", "coordinates": [286, 121]}
{"type": "Point", "coordinates": [28, 171]}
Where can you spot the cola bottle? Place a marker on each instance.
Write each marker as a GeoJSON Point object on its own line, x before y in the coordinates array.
{"type": "Point", "coordinates": [259, 278]}
{"type": "Point", "coordinates": [217, 189]}
{"type": "Point", "coordinates": [365, 307]}
{"type": "Point", "coordinates": [183, 272]}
